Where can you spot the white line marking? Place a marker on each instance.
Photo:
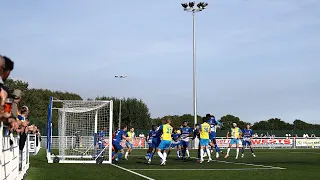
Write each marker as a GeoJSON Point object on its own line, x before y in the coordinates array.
{"type": "Point", "coordinates": [237, 169]}
{"type": "Point", "coordinates": [247, 164]}
{"type": "Point", "coordinates": [306, 152]}
{"type": "Point", "coordinates": [146, 177]}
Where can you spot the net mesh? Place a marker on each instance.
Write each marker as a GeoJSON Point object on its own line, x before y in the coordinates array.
{"type": "Point", "coordinates": [84, 130]}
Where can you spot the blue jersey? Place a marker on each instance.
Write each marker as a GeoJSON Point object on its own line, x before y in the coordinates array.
{"type": "Point", "coordinates": [118, 135]}
{"type": "Point", "coordinates": [185, 132]}
{"type": "Point", "coordinates": [101, 136]}
{"type": "Point", "coordinates": [247, 134]}
{"type": "Point", "coordinates": [213, 125]}
{"type": "Point", "coordinates": [152, 134]}
{"type": "Point", "coordinates": [196, 133]}
{"type": "Point", "coordinates": [175, 136]}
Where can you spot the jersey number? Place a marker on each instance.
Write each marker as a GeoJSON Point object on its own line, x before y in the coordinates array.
{"type": "Point", "coordinates": [169, 130]}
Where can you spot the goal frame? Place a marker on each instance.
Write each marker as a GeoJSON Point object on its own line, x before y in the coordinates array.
{"type": "Point", "coordinates": [51, 156]}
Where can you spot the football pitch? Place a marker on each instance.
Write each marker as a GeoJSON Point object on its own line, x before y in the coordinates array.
{"type": "Point", "coordinates": [278, 164]}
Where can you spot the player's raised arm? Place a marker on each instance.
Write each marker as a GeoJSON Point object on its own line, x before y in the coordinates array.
{"type": "Point", "coordinates": [227, 136]}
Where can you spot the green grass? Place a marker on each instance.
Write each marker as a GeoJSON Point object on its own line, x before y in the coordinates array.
{"type": "Point", "coordinates": [298, 164]}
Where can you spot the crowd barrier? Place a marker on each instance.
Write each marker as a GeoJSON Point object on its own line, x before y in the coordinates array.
{"type": "Point", "coordinates": [15, 163]}
{"type": "Point", "coordinates": [140, 143]}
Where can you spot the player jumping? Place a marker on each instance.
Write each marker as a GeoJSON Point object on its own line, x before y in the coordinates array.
{"type": "Point", "coordinates": [213, 127]}
{"type": "Point", "coordinates": [235, 135]}
{"type": "Point", "coordinates": [116, 142]}
{"type": "Point", "coordinates": [185, 133]}
{"type": "Point", "coordinates": [247, 136]}
{"type": "Point", "coordinates": [204, 139]}
{"type": "Point", "coordinates": [176, 142]}
{"type": "Point", "coordinates": [166, 130]}
{"type": "Point", "coordinates": [131, 136]}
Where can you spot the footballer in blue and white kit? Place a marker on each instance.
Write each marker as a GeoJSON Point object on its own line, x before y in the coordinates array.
{"type": "Point", "coordinates": [151, 142]}
{"type": "Point", "coordinates": [186, 131]}
{"type": "Point", "coordinates": [176, 142]}
{"type": "Point", "coordinates": [247, 137]}
{"type": "Point", "coordinates": [154, 139]}
{"type": "Point", "coordinates": [213, 130]}
{"type": "Point", "coordinates": [101, 142]}
{"type": "Point", "coordinates": [120, 134]}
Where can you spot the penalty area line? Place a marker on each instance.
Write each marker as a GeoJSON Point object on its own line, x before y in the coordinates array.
{"type": "Point", "coordinates": [131, 171]}
{"type": "Point", "coordinates": [236, 169]}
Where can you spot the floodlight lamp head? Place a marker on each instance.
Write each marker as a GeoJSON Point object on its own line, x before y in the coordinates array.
{"type": "Point", "coordinates": [184, 5]}
{"type": "Point", "coordinates": [199, 5]}
{"type": "Point", "coordinates": [191, 4]}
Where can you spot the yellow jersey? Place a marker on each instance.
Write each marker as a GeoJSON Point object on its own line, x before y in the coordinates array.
{"type": "Point", "coordinates": [204, 130]}
{"type": "Point", "coordinates": [235, 132]}
{"type": "Point", "coordinates": [166, 132]}
{"type": "Point", "coordinates": [131, 136]}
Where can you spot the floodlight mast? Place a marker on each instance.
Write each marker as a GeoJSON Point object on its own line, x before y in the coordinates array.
{"type": "Point", "coordinates": [120, 77]}
{"type": "Point", "coordinates": [193, 8]}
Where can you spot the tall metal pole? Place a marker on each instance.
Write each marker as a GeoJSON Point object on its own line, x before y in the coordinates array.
{"type": "Point", "coordinates": [121, 77]}
{"type": "Point", "coordinates": [193, 8]}
{"type": "Point", "coordinates": [194, 70]}
{"type": "Point", "coordinates": [120, 114]}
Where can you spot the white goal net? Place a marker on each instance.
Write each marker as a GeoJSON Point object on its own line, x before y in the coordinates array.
{"type": "Point", "coordinates": [85, 132]}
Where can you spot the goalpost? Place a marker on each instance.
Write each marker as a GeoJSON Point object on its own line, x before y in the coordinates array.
{"type": "Point", "coordinates": [84, 131]}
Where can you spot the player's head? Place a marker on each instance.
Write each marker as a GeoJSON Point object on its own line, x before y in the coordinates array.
{"type": "Point", "coordinates": [248, 126]}
{"type": "Point", "coordinates": [208, 116]}
{"type": "Point", "coordinates": [153, 127]}
{"type": "Point", "coordinates": [168, 121]}
{"type": "Point", "coordinates": [204, 119]}
{"type": "Point", "coordinates": [234, 124]}
{"type": "Point", "coordinates": [125, 127]}
{"type": "Point", "coordinates": [102, 129]}
{"type": "Point", "coordinates": [131, 129]}
{"type": "Point", "coordinates": [185, 123]}
{"type": "Point", "coordinates": [175, 130]}
{"type": "Point", "coordinates": [212, 117]}
{"type": "Point", "coordinates": [197, 126]}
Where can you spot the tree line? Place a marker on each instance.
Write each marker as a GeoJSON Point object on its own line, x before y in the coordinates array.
{"type": "Point", "coordinates": [135, 112]}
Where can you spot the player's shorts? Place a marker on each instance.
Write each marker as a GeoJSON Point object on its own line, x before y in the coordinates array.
{"type": "Point", "coordinates": [245, 142]}
{"type": "Point", "coordinates": [101, 145]}
{"type": "Point", "coordinates": [234, 141]}
{"type": "Point", "coordinates": [117, 145]}
{"type": "Point", "coordinates": [212, 135]}
{"type": "Point", "coordinates": [204, 142]}
{"type": "Point", "coordinates": [185, 143]}
{"type": "Point", "coordinates": [164, 144]}
{"type": "Point", "coordinates": [175, 144]}
{"type": "Point", "coordinates": [128, 144]}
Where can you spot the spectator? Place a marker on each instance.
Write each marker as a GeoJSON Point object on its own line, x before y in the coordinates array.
{"type": "Point", "coordinates": [17, 95]}
{"type": "Point", "coordinates": [6, 66]}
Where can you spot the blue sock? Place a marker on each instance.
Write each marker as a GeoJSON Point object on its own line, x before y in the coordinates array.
{"type": "Point", "coordinates": [151, 155]}
{"type": "Point", "coordinates": [242, 150]}
{"type": "Point", "coordinates": [120, 155]}
{"type": "Point", "coordinates": [217, 148]}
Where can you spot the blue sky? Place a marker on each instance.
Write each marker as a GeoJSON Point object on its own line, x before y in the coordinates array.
{"type": "Point", "coordinates": [255, 59]}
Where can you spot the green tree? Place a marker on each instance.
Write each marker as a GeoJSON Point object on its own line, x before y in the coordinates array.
{"type": "Point", "coordinates": [134, 112]}
{"type": "Point", "coordinates": [228, 119]}
{"type": "Point", "coordinates": [16, 84]}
